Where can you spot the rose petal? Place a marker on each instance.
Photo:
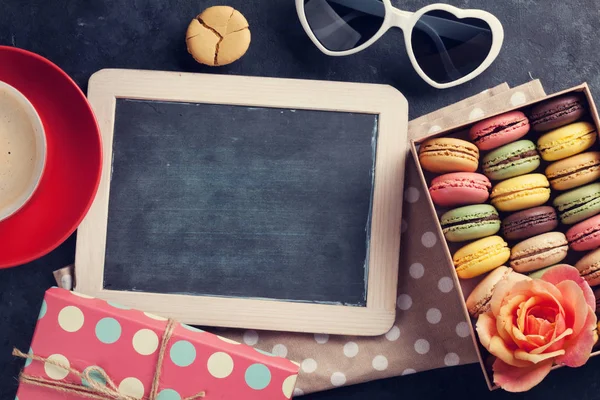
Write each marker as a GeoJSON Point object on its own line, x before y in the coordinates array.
{"type": "Point", "coordinates": [536, 340]}
{"type": "Point", "coordinates": [545, 293]}
{"type": "Point", "coordinates": [537, 314]}
{"type": "Point", "coordinates": [576, 308]}
{"type": "Point", "coordinates": [563, 272]}
{"type": "Point", "coordinates": [521, 340]}
{"type": "Point", "coordinates": [514, 379]}
{"type": "Point", "coordinates": [536, 358]}
{"type": "Point", "coordinates": [531, 340]}
{"type": "Point", "coordinates": [486, 328]}
{"type": "Point", "coordinates": [545, 347]}
{"type": "Point", "coordinates": [522, 313]}
{"type": "Point", "coordinates": [501, 290]}
{"type": "Point", "coordinates": [511, 304]}
{"type": "Point", "coordinates": [549, 293]}
{"type": "Point", "coordinates": [504, 324]}
{"type": "Point", "coordinates": [560, 328]}
{"type": "Point", "coordinates": [533, 324]}
{"type": "Point", "coordinates": [544, 311]}
{"type": "Point", "coordinates": [498, 347]}
{"type": "Point", "coordinates": [507, 316]}
{"type": "Point", "coordinates": [546, 328]}
{"type": "Point", "coordinates": [534, 286]}
{"type": "Point", "coordinates": [579, 348]}
{"type": "Point", "coordinates": [518, 305]}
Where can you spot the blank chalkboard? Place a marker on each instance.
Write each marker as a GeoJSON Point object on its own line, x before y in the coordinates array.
{"type": "Point", "coordinates": [240, 201]}
{"type": "Point", "coordinates": [261, 202]}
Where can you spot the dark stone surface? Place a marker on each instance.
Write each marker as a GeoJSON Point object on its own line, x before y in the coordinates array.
{"type": "Point", "coordinates": [554, 40]}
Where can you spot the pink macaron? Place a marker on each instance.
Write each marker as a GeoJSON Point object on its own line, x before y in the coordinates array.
{"type": "Point", "coordinates": [499, 130]}
{"type": "Point", "coordinates": [585, 235]}
{"type": "Point", "coordinates": [460, 188]}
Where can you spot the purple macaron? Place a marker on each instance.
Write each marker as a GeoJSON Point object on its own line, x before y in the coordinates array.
{"type": "Point", "coordinates": [557, 112]}
{"type": "Point", "coordinates": [531, 222]}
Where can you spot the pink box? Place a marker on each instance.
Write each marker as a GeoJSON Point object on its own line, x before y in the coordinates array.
{"type": "Point", "coordinates": [83, 332]}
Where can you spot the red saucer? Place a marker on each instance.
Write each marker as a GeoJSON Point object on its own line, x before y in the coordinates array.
{"type": "Point", "coordinates": [73, 164]}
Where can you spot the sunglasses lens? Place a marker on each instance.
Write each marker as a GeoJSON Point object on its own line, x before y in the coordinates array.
{"type": "Point", "coordinates": [341, 25]}
{"type": "Point", "coordinates": [448, 48]}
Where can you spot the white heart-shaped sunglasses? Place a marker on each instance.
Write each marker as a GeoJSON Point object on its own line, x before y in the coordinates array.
{"type": "Point", "coordinates": [447, 46]}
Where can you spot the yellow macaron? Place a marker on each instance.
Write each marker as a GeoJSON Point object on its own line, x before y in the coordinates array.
{"type": "Point", "coordinates": [481, 256]}
{"type": "Point", "coordinates": [521, 192]}
{"type": "Point", "coordinates": [567, 141]}
{"type": "Point", "coordinates": [443, 155]}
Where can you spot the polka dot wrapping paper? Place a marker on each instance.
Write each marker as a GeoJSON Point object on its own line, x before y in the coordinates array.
{"type": "Point", "coordinates": [81, 332]}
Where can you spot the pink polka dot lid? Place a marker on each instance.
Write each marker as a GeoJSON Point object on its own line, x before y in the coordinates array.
{"type": "Point", "coordinates": [81, 332]}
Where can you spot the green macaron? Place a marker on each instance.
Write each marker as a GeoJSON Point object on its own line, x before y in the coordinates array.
{"type": "Point", "coordinates": [470, 222]}
{"type": "Point", "coordinates": [540, 272]}
{"type": "Point", "coordinates": [513, 159]}
{"type": "Point", "coordinates": [578, 204]}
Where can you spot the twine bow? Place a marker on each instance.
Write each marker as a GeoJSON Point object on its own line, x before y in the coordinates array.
{"type": "Point", "coordinates": [95, 377]}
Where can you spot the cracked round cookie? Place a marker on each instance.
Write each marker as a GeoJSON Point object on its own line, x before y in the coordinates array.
{"type": "Point", "coordinates": [218, 36]}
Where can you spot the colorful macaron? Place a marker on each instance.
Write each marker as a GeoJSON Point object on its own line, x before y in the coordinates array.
{"type": "Point", "coordinates": [539, 252]}
{"type": "Point", "coordinates": [513, 159]}
{"type": "Point", "coordinates": [521, 192]}
{"type": "Point", "coordinates": [557, 112]}
{"type": "Point", "coordinates": [530, 222]}
{"type": "Point", "coordinates": [574, 171]}
{"type": "Point", "coordinates": [470, 222]}
{"type": "Point", "coordinates": [585, 235]}
{"type": "Point", "coordinates": [499, 130]}
{"type": "Point", "coordinates": [578, 204]}
{"type": "Point", "coordinates": [478, 301]}
{"type": "Point", "coordinates": [443, 155]}
{"type": "Point", "coordinates": [567, 141]}
{"type": "Point", "coordinates": [459, 188]}
{"type": "Point", "coordinates": [481, 256]}
{"type": "Point", "coordinates": [589, 267]}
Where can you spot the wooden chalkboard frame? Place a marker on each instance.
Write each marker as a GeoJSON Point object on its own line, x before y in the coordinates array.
{"type": "Point", "coordinates": [391, 107]}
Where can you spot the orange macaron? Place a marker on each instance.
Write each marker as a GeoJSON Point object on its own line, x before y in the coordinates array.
{"type": "Point", "coordinates": [443, 155]}
{"type": "Point", "coordinates": [574, 171]}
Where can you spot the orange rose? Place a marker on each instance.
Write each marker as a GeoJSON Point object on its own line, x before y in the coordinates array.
{"type": "Point", "coordinates": [536, 323]}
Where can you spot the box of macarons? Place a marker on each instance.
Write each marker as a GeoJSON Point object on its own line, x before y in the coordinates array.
{"type": "Point", "coordinates": [517, 197]}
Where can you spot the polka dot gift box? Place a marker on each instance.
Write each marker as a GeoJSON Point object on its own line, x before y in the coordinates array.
{"type": "Point", "coordinates": [118, 349]}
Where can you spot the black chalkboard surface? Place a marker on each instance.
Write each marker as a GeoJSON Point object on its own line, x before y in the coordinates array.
{"type": "Point", "coordinates": [247, 202]}
{"type": "Point", "coordinates": [240, 201]}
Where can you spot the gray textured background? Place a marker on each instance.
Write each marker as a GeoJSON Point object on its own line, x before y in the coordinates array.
{"type": "Point", "coordinates": [554, 40]}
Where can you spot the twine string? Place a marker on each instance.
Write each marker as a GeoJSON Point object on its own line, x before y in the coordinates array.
{"type": "Point", "coordinates": [94, 388]}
